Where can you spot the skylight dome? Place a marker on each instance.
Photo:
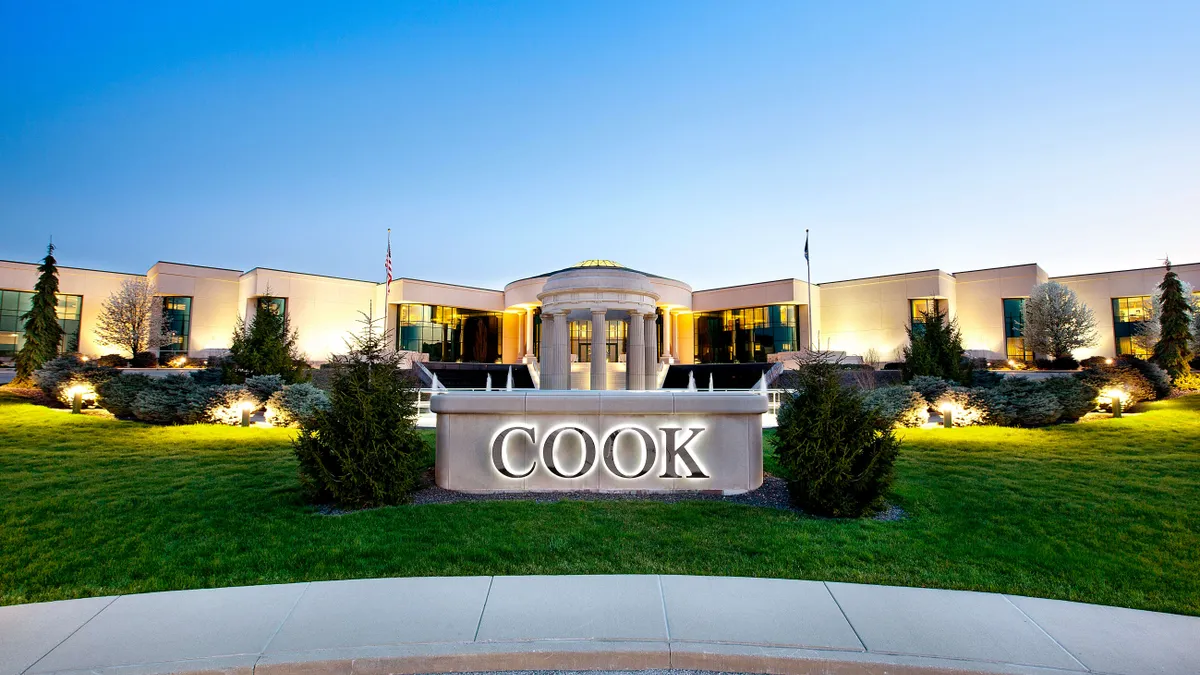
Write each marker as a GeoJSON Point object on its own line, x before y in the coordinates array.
{"type": "Point", "coordinates": [596, 262]}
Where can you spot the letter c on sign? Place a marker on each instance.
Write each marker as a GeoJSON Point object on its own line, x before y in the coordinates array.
{"type": "Point", "coordinates": [589, 452]}
{"type": "Point", "coordinates": [498, 451]}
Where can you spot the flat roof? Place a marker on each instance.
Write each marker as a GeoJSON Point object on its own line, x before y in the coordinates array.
{"type": "Point", "coordinates": [207, 267]}
{"type": "Point", "coordinates": [1136, 269]}
{"type": "Point", "coordinates": [81, 269]}
{"type": "Point", "coordinates": [1001, 267]}
{"type": "Point", "coordinates": [883, 276]}
{"type": "Point", "coordinates": [310, 274]}
{"type": "Point", "coordinates": [752, 283]}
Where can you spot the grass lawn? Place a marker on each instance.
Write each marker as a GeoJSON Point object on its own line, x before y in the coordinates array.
{"type": "Point", "coordinates": [1105, 511]}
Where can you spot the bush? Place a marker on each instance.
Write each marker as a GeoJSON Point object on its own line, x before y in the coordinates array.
{"type": "Point", "coordinates": [894, 365]}
{"type": "Point", "coordinates": [1093, 362]}
{"type": "Point", "coordinates": [936, 349]}
{"type": "Point", "coordinates": [113, 361]}
{"type": "Point", "coordinates": [839, 453]}
{"type": "Point", "coordinates": [57, 376]}
{"type": "Point", "coordinates": [295, 402]}
{"type": "Point", "coordinates": [175, 399]}
{"type": "Point", "coordinates": [209, 377]}
{"type": "Point", "coordinates": [901, 405]}
{"type": "Point", "coordinates": [966, 406]}
{"type": "Point", "coordinates": [1158, 378]}
{"type": "Point", "coordinates": [264, 386]}
{"type": "Point", "coordinates": [266, 345]}
{"type": "Point", "coordinates": [363, 450]}
{"type": "Point", "coordinates": [1064, 363]}
{"type": "Point", "coordinates": [930, 388]}
{"type": "Point", "coordinates": [1043, 364]}
{"type": "Point", "coordinates": [1076, 397]}
{"type": "Point", "coordinates": [225, 402]}
{"type": "Point", "coordinates": [1020, 402]}
{"type": "Point", "coordinates": [1188, 382]}
{"type": "Point", "coordinates": [117, 394]}
{"type": "Point", "coordinates": [985, 379]}
{"type": "Point", "coordinates": [1119, 376]}
{"type": "Point", "coordinates": [144, 360]}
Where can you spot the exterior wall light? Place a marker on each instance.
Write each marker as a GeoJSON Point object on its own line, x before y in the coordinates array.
{"type": "Point", "coordinates": [246, 406]}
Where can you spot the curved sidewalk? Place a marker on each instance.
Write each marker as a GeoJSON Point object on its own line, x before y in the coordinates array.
{"type": "Point", "coordinates": [442, 624]}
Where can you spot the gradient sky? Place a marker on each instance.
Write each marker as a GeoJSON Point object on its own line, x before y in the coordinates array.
{"type": "Point", "coordinates": [694, 140]}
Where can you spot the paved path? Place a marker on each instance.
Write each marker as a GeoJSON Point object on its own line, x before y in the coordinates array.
{"type": "Point", "coordinates": [442, 624]}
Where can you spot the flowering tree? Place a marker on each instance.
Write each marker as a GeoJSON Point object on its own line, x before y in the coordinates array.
{"type": "Point", "coordinates": [1056, 322]}
{"type": "Point", "coordinates": [131, 318]}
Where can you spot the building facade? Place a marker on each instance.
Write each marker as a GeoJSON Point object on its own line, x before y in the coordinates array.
{"type": "Point", "coordinates": [867, 317]}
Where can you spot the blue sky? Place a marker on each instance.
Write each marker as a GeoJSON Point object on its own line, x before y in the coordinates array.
{"type": "Point", "coordinates": [695, 140]}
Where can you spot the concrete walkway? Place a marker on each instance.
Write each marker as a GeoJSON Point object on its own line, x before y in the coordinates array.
{"type": "Point", "coordinates": [425, 625]}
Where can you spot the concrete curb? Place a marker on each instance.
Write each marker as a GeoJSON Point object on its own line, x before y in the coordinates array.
{"type": "Point", "coordinates": [465, 624]}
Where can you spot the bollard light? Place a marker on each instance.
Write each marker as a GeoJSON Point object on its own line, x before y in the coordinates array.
{"type": "Point", "coordinates": [76, 394]}
{"type": "Point", "coordinates": [947, 416]}
{"type": "Point", "coordinates": [1116, 406]}
{"type": "Point", "coordinates": [247, 406]}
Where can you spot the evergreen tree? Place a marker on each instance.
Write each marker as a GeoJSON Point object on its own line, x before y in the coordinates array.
{"type": "Point", "coordinates": [265, 346]}
{"type": "Point", "coordinates": [43, 332]}
{"type": "Point", "coordinates": [1172, 351]}
{"type": "Point", "coordinates": [936, 349]}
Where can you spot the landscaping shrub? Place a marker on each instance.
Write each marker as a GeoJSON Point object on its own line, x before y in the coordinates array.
{"type": "Point", "coordinates": [935, 347]}
{"type": "Point", "coordinates": [985, 379]}
{"type": "Point", "coordinates": [1020, 402]}
{"type": "Point", "coordinates": [894, 365]}
{"type": "Point", "coordinates": [838, 452]}
{"type": "Point", "coordinates": [113, 361]}
{"type": "Point", "coordinates": [208, 377]}
{"type": "Point", "coordinates": [266, 345]}
{"type": "Point", "coordinates": [263, 386]}
{"type": "Point", "coordinates": [144, 360]}
{"type": "Point", "coordinates": [1076, 397]}
{"type": "Point", "coordinates": [930, 388]}
{"type": "Point", "coordinates": [1043, 364]}
{"type": "Point", "coordinates": [117, 394]}
{"type": "Point", "coordinates": [175, 399]}
{"type": "Point", "coordinates": [224, 404]}
{"type": "Point", "coordinates": [1188, 382]}
{"type": "Point", "coordinates": [56, 377]}
{"type": "Point", "coordinates": [901, 405]}
{"type": "Point", "coordinates": [966, 406]}
{"type": "Point", "coordinates": [1156, 376]}
{"type": "Point", "coordinates": [1093, 362]}
{"type": "Point", "coordinates": [295, 402]}
{"type": "Point", "coordinates": [364, 449]}
{"type": "Point", "coordinates": [1120, 375]}
{"type": "Point", "coordinates": [1064, 363]}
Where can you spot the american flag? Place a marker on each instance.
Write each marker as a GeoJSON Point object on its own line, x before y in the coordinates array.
{"type": "Point", "coordinates": [387, 264]}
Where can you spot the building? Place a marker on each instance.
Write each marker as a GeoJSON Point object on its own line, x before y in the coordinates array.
{"type": "Point", "coordinates": [865, 317]}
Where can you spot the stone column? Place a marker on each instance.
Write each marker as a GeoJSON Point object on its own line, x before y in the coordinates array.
{"type": "Point", "coordinates": [562, 353]}
{"type": "Point", "coordinates": [651, 351]}
{"type": "Point", "coordinates": [529, 335]}
{"type": "Point", "coordinates": [547, 351]}
{"type": "Point", "coordinates": [521, 346]}
{"type": "Point", "coordinates": [635, 355]}
{"type": "Point", "coordinates": [599, 351]}
{"type": "Point", "coordinates": [675, 339]}
{"type": "Point", "coordinates": [668, 350]}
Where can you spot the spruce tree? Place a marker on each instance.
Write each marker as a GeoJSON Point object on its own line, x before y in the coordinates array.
{"type": "Point", "coordinates": [43, 333]}
{"type": "Point", "coordinates": [936, 349]}
{"type": "Point", "coordinates": [266, 345]}
{"type": "Point", "coordinates": [1172, 351]}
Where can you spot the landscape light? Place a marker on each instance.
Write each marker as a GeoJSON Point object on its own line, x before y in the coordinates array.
{"type": "Point", "coordinates": [1108, 362]}
{"type": "Point", "coordinates": [246, 407]}
{"type": "Point", "coordinates": [76, 393]}
{"type": "Point", "coordinates": [1117, 398]}
{"type": "Point", "coordinates": [947, 410]}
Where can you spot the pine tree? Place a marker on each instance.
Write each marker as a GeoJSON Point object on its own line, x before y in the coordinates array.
{"type": "Point", "coordinates": [936, 349]}
{"type": "Point", "coordinates": [266, 345]}
{"type": "Point", "coordinates": [43, 332]}
{"type": "Point", "coordinates": [1172, 351]}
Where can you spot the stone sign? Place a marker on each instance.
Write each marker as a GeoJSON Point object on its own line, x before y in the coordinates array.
{"type": "Point", "coordinates": [602, 441]}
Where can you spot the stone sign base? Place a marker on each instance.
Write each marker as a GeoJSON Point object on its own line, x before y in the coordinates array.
{"type": "Point", "coordinates": [611, 441]}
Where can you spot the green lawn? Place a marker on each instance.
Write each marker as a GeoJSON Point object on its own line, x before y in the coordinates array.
{"type": "Point", "coordinates": [1105, 511]}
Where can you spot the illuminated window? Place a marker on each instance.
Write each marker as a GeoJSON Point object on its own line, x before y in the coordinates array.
{"type": "Point", "coordinates": [1014, 341]}
{"type": "Point", "coordinates": [177, 319]}
{"type": "Point", "coordinates": [616, 340]}
{"type": "Point", "coordinates": [1128, 313]}
{"type": "Point", "coordinates": [14, 305]}
{"type": "Point", "coordinates": [745, 335]}
{"type": "Point", "coordinates": [450, 333]}
{"type": "Point", "coordinates": [919, 308]}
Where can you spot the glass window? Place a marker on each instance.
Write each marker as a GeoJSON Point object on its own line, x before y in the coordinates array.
{"type": "Point", "coordinates": [450, 333]}
{"type": "Point", "coordinates": [276, 305]}
{"type": "Point", "coordinates": [920, 307]}
{"type": "Point", "coordinates": [177, 319]}
{"type": "Point", "coordinates": [15, 304]}
{"type": "Point", "coordinates": [1127, 314]}
{"type": "Point", "coordinates": [1014, 341]}
{"type": "Point", "coordinates": [744, 335]}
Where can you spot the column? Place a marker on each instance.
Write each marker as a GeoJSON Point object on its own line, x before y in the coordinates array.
{"type": "Point", "coordinates": [651, 351]}
{"type": "Point", "coordinates": [521, 345]}
{"type": "Point", "coordinates": [547, 351]}
{"type": "Point", "coordinates": [635, 359]}
{"type": "Point", "coordinates": [562, 353]}
{"type": "Point", "coordinates": [668, 350]}
{"type": "Point", "coordinates": [675, 339]}
{"type": "Point", "coordinates": [529, 335]}
{"type": "Point", "coordinates": [599, 351]}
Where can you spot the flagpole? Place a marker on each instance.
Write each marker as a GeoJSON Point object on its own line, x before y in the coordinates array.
{"type": "Point", "coordinates": [808, 265]}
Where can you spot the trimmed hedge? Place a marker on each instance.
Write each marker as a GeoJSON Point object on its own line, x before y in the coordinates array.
{"type": "Point", "coordinates": [144, 360]}
{"type": "Point", "coordinates": [901, 405]}
{"type": "Point", "coordinates": [117, 394]}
